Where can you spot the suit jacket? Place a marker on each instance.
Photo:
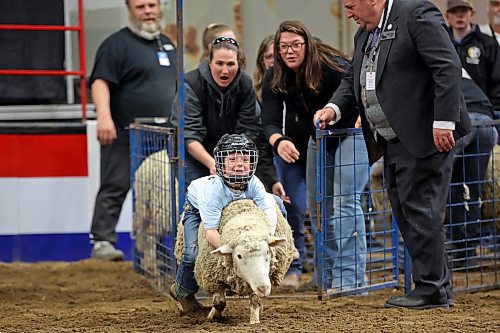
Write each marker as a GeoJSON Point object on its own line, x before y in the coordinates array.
{"type": "Point", "coordinates": [418, 78]}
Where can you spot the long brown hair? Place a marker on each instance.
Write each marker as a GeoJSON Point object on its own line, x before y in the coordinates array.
{"type": "Point", "coordinates": [316, 55]}
{"type": "Point", "coordinates": [260, 69]}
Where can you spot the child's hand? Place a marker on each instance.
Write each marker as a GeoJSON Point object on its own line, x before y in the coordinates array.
{"type": "Point", "coordinates": [213, 237]}
{"type": "Point", "coordinates": [279, 191]}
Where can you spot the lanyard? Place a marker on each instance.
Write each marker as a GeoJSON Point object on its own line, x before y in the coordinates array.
{"type": "Point", "coordinates": [384, 19]}
{"type": "Point", "coordinates": [160, 46]}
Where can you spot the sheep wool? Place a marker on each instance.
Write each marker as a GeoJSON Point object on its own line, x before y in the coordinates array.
{"type": "Point", "coordinates": [152, 212]}
{"type": "Point", "coordinates": [242, 222]}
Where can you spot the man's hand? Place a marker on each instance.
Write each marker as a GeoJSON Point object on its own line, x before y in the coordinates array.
{"type": "Point", "coordinates": [443, 139]}
{"type": "Point", "coordinates": [106, 130]}
{"type": "Point", "coordinates": [323, 117]}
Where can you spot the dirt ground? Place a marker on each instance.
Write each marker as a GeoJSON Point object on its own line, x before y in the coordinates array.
{"type": "Point", "coordinates": [94, 296]}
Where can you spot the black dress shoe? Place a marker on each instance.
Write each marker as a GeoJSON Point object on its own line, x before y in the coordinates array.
{"type": "Point", "coordinates": [417, 302]}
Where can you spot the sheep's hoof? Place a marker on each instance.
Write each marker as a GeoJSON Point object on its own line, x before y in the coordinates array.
{"type": "Point", "coordinates": [214, 314]}
{"type": "Point", "coordinates": [253, 322]}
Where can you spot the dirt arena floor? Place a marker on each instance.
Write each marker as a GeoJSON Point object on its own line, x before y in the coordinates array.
{"type": "Point", "coordinates": [94, 296]}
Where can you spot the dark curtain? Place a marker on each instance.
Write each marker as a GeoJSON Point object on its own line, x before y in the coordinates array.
{"type": "Point", "coordinates": [32, 50]}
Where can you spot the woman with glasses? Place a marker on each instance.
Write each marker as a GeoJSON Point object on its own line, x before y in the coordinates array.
{"type": "Point", "coordinates": [219, 99]}
{"type": "Point", "coordinates": [304, 76]}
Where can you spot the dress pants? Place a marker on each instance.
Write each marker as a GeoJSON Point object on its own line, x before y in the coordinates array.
{"type": "Point", "coordinates": [418, 190]}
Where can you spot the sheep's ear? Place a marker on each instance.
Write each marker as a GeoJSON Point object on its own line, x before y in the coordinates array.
{"type": "Point", "coordinates": [223, 250]}
{"type": "Point", "coordinates": [275, 241]}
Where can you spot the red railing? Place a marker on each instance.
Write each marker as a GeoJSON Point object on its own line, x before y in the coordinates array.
{"type": "Point", "coordinates": [42, 72]}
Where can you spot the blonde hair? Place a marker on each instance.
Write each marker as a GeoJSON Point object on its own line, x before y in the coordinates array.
{"type": "Point", "coordinates": [213, 31]}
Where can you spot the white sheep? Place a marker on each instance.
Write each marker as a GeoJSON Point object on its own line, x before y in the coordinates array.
{"type": "Point", "coordinates": [248, 262]}
{"type": "Point", "coordinates": [151, 219]}
{"type": "Point", "coordinates": [491, 189]}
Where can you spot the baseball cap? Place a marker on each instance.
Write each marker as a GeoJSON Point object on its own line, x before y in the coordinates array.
{"type": "Point", "coordinates": [459, 3]}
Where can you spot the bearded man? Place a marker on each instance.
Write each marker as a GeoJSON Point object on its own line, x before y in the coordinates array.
{"type": "Point", "coordinates": [134, 76]}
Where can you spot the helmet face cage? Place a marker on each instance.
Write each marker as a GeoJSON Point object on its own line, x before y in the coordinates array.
{"type": "Point", "coordinates": [236, 159]}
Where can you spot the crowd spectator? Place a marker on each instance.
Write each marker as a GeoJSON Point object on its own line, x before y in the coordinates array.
{"type": "Point", "coordinates": [266, 170]}
{"type": "Point", "coordinates": [471, 162]}
{"type": "Point", "coordinates": [406, 82]}
{"type": "Point", "coordinates": [303, 78]}
{"type": "Point", "coordinates": [134, 76]}
{"type": "Point", "coordinates": [213, 31]}
{"type": "Point", "coordinates": [492, 28]}
{"type": "Point", "coordinates": [265, 60]}
{"type": "Point", "coordinates": [219, 99]}
{"type": "Point", "coordinates": [479, 53]}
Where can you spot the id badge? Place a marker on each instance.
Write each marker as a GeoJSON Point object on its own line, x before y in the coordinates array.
{"type": "Point", "coordinates": [370, 80]}
{"type": "Point", "coordinates": [163, 58]}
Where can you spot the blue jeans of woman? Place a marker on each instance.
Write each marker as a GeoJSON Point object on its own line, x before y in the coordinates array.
{"type": "Point", "coordinates": [346, 174]}
{"type": "Point", "coordinates": [469, 170]}
{"type": "Point", "coordinates": [293, 178]}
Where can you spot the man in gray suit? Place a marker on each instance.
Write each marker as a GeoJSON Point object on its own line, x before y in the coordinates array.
{"type": "Point", "coordinates": [406, 81]}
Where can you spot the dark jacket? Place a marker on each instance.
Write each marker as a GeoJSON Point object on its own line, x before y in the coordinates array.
{"type": "Point", "coordinates": [210, 113]}
{"type": "Point", "coordinates": [300, 107]}
{"type": "Point", "coordinates": [416, 82]}
{"type": "Point", "coordinates": [231, 111]}
{"type": "Point", "coordinates": [480, 56]}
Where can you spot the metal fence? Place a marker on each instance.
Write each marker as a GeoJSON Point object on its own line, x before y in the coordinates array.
{"type": "Point", "coordinates": [472, 224]}
{"type": "Point", "coordinates": [154, 202]}
{"type": "Point", "coordinates": [357, 241]}
{"type": "Point", "coordinates": [354, 250]}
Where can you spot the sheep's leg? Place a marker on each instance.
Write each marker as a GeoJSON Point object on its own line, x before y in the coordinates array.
{"type": "Point", "coordinates": [218, 305]}
{"type": "Point", "coordinates": [255, 307]}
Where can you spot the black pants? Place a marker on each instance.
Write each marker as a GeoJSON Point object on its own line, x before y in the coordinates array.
{"type": "Point", "coordinates": [418, 189]}
{"type": "Point", "coordinates": [115, 183]}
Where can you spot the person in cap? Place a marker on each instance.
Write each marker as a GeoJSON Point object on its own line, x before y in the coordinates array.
{"type": "Point", "coordinates": [479, 53]}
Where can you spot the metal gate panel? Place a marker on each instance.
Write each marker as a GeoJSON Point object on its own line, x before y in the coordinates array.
{"type": "Point", "coordinates": [154, 203]}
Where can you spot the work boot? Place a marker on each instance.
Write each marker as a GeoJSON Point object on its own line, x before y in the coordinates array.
{"type": "Point", "coordinates": [104, 250]}
{"type": "Point", "coordinates": [188, 302]}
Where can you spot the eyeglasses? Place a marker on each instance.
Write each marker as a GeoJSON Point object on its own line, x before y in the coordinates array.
{"type": "Point", "coordinates": [229, 40]}
{"type": "Point", "coordinates": [295, 46]}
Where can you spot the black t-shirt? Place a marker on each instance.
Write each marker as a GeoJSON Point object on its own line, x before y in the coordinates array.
{"type": "Point", "coordinates": [139, 85]}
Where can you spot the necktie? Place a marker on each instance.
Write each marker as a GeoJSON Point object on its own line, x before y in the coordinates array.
{"type": "Point", "coordinates": [376, 36]}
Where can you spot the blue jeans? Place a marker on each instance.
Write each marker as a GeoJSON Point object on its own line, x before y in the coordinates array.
{"type": "Point", "coordinates": [293, 178]}
{"type": "Point", "coordinates": [185, 272]}
{"type": "Point", "coordinates": [469, 169]}
{"type": "Point", "coordinates": [345, 234]}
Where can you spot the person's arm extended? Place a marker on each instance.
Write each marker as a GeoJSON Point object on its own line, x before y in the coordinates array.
{"type": "Point", "coordinates": [196, 149]}
{"type": "Point", "coordinates": [213, 237]}
{"type": "Point", "coordinates": [106, 130]}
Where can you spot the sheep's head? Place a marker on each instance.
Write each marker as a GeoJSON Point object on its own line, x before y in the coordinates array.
{"type": "Point", "coordinates": [251, 262]}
